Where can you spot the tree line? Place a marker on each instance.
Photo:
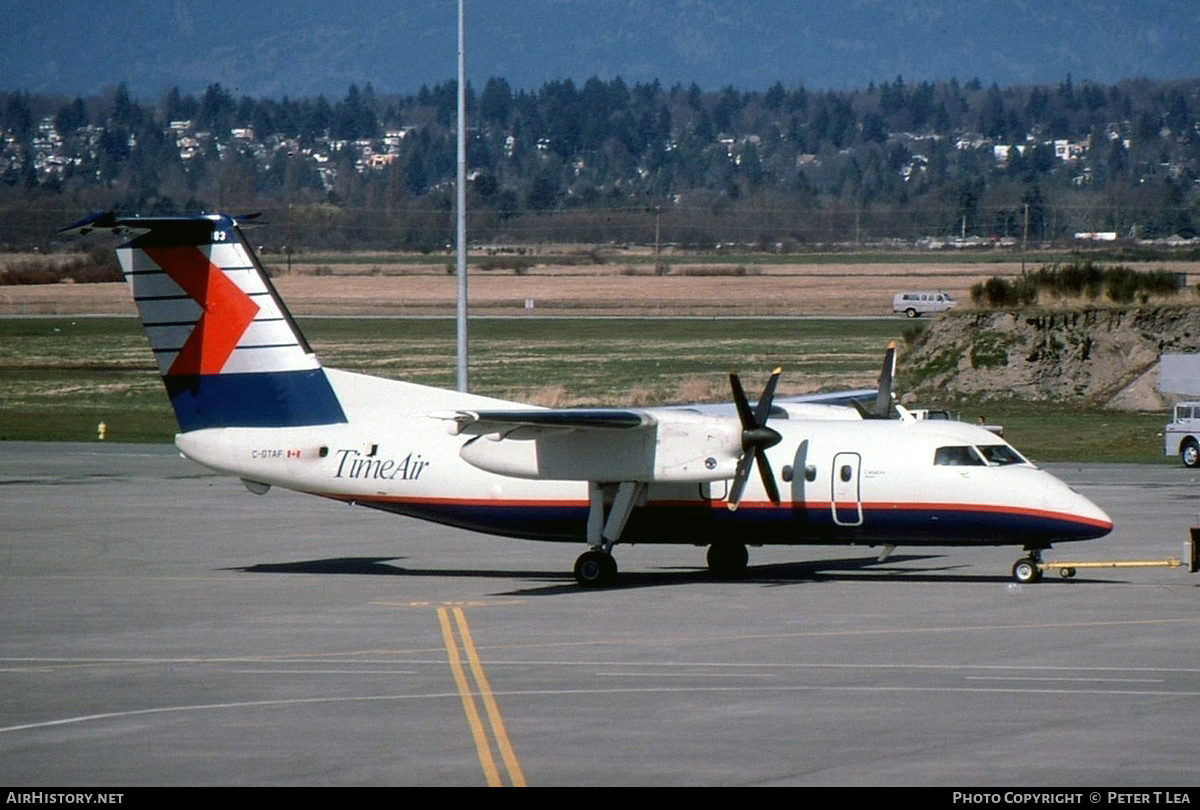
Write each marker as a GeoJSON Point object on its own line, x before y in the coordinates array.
{"type": "Point", "coordinates": [602, 161]}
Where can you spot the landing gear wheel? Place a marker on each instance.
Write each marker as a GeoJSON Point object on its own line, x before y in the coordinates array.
{"type": "Point", "coordinates": [1025, 570]}
{"type": "Point", "coordinates": [727, 560]}
{"type": "Point", "coordinates": [1066, 573]}
{"type": "Point", "coordinates": [595, 569]}
{"type": "Point", "coordinates": [1189, 454]}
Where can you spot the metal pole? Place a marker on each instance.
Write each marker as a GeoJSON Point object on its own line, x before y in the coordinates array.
{"type": "Point", "coordinates": [461, 246]}
{"type": "Point", "coordinates": [1024, 238]}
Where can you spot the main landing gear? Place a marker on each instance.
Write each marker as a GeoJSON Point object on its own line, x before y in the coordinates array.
{"type": "Point", "coordinates": [727, 560]}
{"type": "Point", "coordinates": [609, 508]}
{"type": "Point", "coordinates": [595, 569]}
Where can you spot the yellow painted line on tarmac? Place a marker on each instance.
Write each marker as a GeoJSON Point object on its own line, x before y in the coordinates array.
{"type": "Point", "coordinates": [479, 733]}
{"type": "Point", "coordinates": [507, 754]}
{"type": "Point", "coordinates": [426, 603]}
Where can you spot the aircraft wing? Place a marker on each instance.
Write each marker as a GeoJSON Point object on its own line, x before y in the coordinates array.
{"type": "Point", "coordinates": [837, 401]}
{"type": "Point", "coordinates": [693, 443]}
{"type": "Point", "coordinates": [839, 398]}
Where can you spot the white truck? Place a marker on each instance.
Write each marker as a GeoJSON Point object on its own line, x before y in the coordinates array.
{"type": "Point", "coordinates": [914, 304]}
{"type": "Point", "coordinates": [1181, 436]}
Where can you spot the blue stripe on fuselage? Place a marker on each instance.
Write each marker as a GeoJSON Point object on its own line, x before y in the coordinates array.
{"type": "Point", "coordinates": [701, 523]}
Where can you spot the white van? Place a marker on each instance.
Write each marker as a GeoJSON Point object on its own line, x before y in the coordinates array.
{"type": "Point", "coordinates": [1181, 436]}
{"type": "Point", "coordinates": [913, 304]}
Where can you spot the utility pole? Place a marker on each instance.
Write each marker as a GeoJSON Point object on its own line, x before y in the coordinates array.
{"type": "Point", "coordinates": [287, 248]}
{"type": "Point", "coordinates": [461, 242]}
{"type": "Point", "coordinates": [657, 236]}
{"type": "Point", "coordinates": [1024, 239]}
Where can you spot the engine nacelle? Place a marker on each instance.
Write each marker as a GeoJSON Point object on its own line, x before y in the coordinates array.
{"type": "Point", "coordinates": [677, 446]}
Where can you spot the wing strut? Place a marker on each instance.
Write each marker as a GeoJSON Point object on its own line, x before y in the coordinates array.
{"type": "Point", "coordinates": [604, 530]}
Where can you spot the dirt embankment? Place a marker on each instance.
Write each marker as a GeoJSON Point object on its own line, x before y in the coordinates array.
{"type": "Point", "coordinates": [1099, 356]}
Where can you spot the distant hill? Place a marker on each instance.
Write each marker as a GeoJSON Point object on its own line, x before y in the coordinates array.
{"type": "Point", "coordinates": [307, 47]}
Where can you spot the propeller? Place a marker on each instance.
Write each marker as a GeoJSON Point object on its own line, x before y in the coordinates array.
{"type": "Point", "coordinates": [756, 438]}
{"type": "Point", "coordinates": [883, 399]}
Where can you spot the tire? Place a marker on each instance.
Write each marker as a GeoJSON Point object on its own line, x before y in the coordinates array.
{"type": "Point", "coordinates": [1025, 571]}
{"type": "Point", "coordinates": [912, 313]}
{"type": "Point", "coordinates": [727, 560]}
{"type": "Point", "coordinates": [1189, 453]}
{"type": "Point", "coordinates": [595, 569]}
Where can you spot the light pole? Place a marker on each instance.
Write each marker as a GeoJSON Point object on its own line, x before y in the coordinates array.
{"type": "Point", "coordinates": [461, 206]}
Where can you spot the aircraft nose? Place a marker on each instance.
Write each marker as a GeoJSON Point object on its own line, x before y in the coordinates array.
{"type": "Point", "coordinates": [1086, 519]}
{"type": "Point", "coordinates": [1102, 524]}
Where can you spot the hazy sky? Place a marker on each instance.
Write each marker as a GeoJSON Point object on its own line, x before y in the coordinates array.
{"type": "Point", "coordinates": [305, 47]}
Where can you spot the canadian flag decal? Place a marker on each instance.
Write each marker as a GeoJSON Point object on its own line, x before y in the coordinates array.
{"type": "Point", "coordinates": [226, 310]}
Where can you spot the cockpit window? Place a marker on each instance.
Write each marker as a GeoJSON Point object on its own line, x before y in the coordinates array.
{"type": "Point", "coordinates": [959, 456]}
{"type": "Point", "coordinates": [1000, 454]}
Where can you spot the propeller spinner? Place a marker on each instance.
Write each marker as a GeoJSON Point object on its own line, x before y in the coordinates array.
{"type": "Point", "coordinates": [756, 438]}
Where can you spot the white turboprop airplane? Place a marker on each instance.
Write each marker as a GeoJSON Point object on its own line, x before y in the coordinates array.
{"type": "Point", "coordinates": [253, 401]}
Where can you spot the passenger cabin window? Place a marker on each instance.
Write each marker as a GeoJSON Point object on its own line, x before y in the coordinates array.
{"type": "Point", "coordinates": [960, 456]}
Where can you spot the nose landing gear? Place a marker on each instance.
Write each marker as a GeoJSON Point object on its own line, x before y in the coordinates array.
{"type": "Point", "coordinates": [1028, 569]}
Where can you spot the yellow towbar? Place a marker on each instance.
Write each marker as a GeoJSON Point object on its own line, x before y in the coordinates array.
{"type": "Point", "coordinates": [1190, 558]}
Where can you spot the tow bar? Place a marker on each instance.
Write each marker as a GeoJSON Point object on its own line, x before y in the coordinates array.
{"type": "Point", "coordinates": [1190, 558]}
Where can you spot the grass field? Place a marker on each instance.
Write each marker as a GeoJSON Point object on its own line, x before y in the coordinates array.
{"type": "Point", "coordinates": [61, 377]}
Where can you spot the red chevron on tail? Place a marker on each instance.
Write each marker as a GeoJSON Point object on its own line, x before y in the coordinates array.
{"type": "Point", "coordinates": [227, 310]}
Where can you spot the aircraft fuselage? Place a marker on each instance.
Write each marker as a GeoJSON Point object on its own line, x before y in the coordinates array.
{"type": "Point", "coordinates": [853, 481]}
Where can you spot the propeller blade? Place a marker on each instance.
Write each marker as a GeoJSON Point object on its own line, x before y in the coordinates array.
{"type": "Point", "coordinates": [739, 481]}
{"type": "Point", "coordinates": [740, 402]}
{"type": "Point", "coordinates": [768, 476]}
{"type": "Point", "coordinates": [764, 401]}
{"type": "Point", "coordinates": [883, 400]}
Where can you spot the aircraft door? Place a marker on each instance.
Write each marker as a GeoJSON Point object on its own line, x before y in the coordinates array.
{"type": "Point", "coordinates": [846, 503]}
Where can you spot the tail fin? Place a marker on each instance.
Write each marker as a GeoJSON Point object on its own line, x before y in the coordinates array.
{"type": "Point", "coordinates": [228, 350]}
